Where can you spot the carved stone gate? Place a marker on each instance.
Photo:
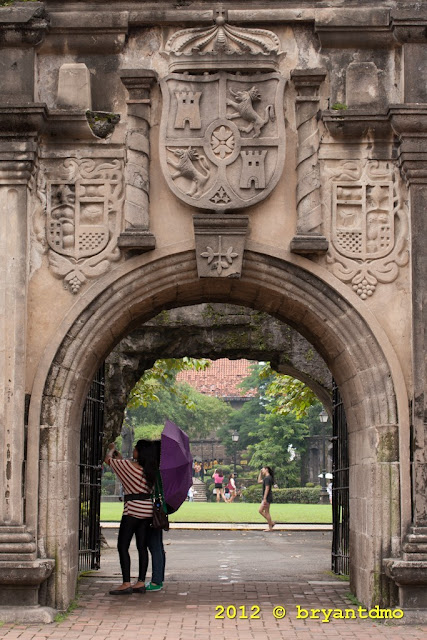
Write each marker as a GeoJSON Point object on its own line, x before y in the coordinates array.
{"type": "Point", "coordinates": [263, 155]}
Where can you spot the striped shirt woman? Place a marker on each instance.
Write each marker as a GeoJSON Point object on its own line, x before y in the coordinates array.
{"type": "Point", "coordinates": [134, 481]}
{"type": "Point", "coordinates": [137, 477]}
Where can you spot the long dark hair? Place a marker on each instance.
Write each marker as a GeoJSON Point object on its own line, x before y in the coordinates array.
{"type": "Point", "coordinates": [270, 472]}
{"type": "Point", "coordinates": [149, 458]}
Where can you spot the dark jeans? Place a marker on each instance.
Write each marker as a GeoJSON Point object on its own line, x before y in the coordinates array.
{"type": "Point", "coordinates": [129, 526]}
{"type": "Point", "coordinates": [158, 556]}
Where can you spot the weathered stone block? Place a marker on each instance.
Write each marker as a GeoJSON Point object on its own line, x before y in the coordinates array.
{"type": "Point", "coordinates": [74, 87]}
{"type": "Point", "coordinates": [362, 87]}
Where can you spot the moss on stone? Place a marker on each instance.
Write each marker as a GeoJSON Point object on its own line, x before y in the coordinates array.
{"type": "Point", "coordinates": [387, 448]}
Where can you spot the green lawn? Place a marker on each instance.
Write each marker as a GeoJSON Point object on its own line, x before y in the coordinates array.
{"type": "Point", "coordinates": [235, 512]}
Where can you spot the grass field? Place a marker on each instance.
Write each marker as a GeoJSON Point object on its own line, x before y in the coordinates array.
{"type": "Point", "coordinates": [235, 512]}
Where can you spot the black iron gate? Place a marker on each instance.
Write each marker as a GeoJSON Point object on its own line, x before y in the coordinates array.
{"type": "Point", "coordinates": [91, 433]}
{"type": "Point", "coordinates": [340, 488]}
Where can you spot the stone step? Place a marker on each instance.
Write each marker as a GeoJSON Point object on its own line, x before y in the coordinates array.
{"type": "Point", "coordinates": [17, 557]}
{"type": "Point", "coordinates": [16, 537]}
{"type": "Point", "coordinates": [17, 547]}
{"type": "Point", "coordinates": [416, 538]}
{"type": "Point", "coordinates": [11, 528]}
{"type": "Point", "coordinates": [422, 531]}
{"type": "Point", "coordinates": [199, 489]}
{"type": "Point", "coordinates": [418, 547]}
{"type": "Point", "coordinates": [415, 557]}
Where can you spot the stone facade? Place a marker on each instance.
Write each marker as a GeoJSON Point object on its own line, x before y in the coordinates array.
{"type": "Point", "coordinates": [114, 207]}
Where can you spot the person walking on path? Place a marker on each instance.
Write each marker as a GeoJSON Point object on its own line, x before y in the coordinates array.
{"type": "Point", "coordinates": [266, 476]}
{"type": "Point", "coordinates": [329, 490]}
{"type": "Point", "coordinates": [138, 477]}
{"type": "Point", "coordinates": [232, 487]}
{"type": "Point", "coordinates": [218, 478]}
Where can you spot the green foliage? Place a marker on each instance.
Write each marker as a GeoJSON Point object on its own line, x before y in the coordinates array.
{"type": "Point", "coordinates": [273, 426]}
{"type": "Point", "coordinates": [148, 432]}
{"type": "Point", "coordinates": [108, 483]}
{"type": "Point", "coordinates": [198, 416]}
{"type": "Point", "coordinates": [281, 442]}
{"type": "Point", "coordinates": [288, 395]}
{"type": "Point", "coordinates": [245, 422]}
{"type": "Point", "coordinates": [339, 106]}
{"type": "Point", "coordinates": [296, 495]}
{"type": "Point", "coordinates": [162, 375]}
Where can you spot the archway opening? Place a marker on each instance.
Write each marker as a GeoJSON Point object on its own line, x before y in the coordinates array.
{"type": "Point", "coordinates": [354, 348]}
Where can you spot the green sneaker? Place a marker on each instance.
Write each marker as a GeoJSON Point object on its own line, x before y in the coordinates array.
{"type": "Point", "coordinates": [154, 587]}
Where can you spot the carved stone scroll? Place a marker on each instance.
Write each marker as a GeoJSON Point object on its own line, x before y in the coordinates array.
{"type": "Point", "coordinates": [137, 235]}
{"type": "Point", "coordinates": [220, 242]}
{"type": "Point", "coordinates": [308, 238]}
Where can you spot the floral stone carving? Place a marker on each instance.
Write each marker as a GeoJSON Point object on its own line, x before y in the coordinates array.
{"type": "Point", "coordinates": [79, 219]}
{"type": "Point", "coordinates": [369, 226]}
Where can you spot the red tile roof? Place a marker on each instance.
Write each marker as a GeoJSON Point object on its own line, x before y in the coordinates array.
{"type": "Point", "coordinates": [220, 379]}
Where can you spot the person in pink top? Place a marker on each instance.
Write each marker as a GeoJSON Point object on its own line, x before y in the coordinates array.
{"type": "Point", "coordinates": [218, 478]}
{"type": "Point", "coordinates": [137, 477]}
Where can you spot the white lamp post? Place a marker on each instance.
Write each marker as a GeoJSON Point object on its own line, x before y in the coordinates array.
{"type": "Point", "coordinates": [324, 498]}
{"type": "Point", "coordinates": [235, 440]}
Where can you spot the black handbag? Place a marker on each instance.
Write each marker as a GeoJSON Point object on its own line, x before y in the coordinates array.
{"type": "Point", "coordinates": [160, 513]}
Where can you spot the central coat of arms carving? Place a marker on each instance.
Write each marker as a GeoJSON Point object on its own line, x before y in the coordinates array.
{"type": "Point", "coordinates": [222, 143]}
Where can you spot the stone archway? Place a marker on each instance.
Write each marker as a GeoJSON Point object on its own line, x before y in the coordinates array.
{"type": "Point", "coordinates": [348, 338]}
{"type": "Point", "coordinates": [209, 331]}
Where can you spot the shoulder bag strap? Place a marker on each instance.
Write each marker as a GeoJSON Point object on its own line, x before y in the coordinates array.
{"type": "Point", "coordinates": [158, 488]}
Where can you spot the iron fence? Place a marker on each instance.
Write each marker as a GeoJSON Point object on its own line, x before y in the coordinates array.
{"type": "Point", "coordinates": [340, 488]}
{"type": "Point", "coordinates": [91, 433]}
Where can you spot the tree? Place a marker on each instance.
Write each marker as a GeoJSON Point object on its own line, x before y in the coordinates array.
{"type": "Point", "coordinates": [284, 393]}
{"type": "Point", "coordinates": [198, 416]}
{"type": "Point", "coordinates": [275, 423]}
{"type": "Point", "coordinates": [162, 375]}
{"type": "Point", "coordinates": [281, 441]}
{"type": "Point", "coordinates": [245, 422]}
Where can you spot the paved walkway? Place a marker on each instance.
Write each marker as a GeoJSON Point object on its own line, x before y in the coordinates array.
{"type": "Point", "coordinates": [186, 610]}
{"type": "Point", "coordinates": [247, 573]}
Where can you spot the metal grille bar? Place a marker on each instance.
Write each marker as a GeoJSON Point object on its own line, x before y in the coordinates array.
{"type": "Point", "coordinates": [340, 488]}
{"type": "Point", "coordinates": [91, 433]}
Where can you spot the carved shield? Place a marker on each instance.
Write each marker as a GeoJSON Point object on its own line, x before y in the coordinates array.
{"type": "Point", "coordinates": [363, 219]}
{"type": "Point", "coordinates": [77, 217]}
{"type": "Point", "coordinates": [222, 144]}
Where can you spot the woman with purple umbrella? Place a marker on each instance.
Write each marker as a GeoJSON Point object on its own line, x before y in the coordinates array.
{"type": "Point", "coordinates": [138, 477]}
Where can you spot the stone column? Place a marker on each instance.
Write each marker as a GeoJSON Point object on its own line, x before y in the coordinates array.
{"type": "Point", "coordinates": [21, 572]}
{"type": "Point", "coordinates": [137, 235]}
{"type": "Point", "coordinates": [308, 238]}
{"type": "Point", "coordinates": [410, 572]}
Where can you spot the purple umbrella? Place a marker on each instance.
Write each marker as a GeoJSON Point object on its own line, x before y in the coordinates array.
{"type": "Point", "coordinates": [175, 464]}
